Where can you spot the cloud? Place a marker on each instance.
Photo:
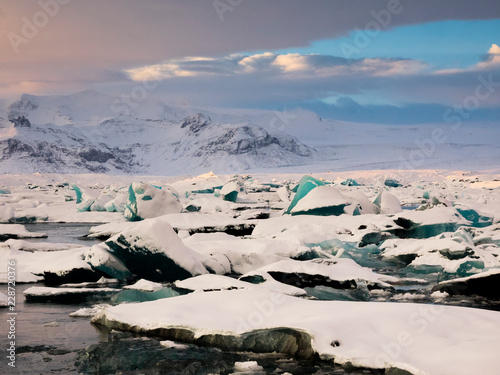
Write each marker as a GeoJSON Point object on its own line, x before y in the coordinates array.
{"type": "Point", "coordinates": [116, 44]}
{"type": "Point", "coordinates": [494, 50]}
{"type": "Point", "coordinates": [114, 35]}
{"type": "Point", "coordinates": [288, 66]}
{"type": "Point", "coordinates": [270, 80]}
{"type": "Point", "coordinates": [491, 61]}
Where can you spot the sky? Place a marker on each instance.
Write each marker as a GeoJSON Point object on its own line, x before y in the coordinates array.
{"type": "Point", "coordinates": [392, 61]}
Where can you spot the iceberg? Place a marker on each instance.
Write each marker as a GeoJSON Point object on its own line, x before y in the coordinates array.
{"type": "Point", "coordinates": [226, 254]}
{"type": "Point", "coordinates": [229, 191]}
{"type": "Point", "coordinates": [118, 203]}
{"type": "Point", "coordinates": [387, 203]}
{"type": "Point", "coordinates": [391, 336]}
{"type": "Point", "coordinates": [322, 201]}
{"type": "Point", "coordinates": [361, 202]}
{"type": "Point", "coordinates": [350, 182]}
{"type": "Point", "coordinates": [210, 283]}
{"type": "Point", "coordinates": [153, 251]}
{"type": "Point", "coordinates": [78, 192]}
{"type": "Point", "coordinates": [83, 199]}
{"type": "Point", "coordinates": [105, 231]}
{"type": "Point", "coordinates": [136, 295]}
{"type": "Point", "coordinates": [306, 184]}
{"type": "Point", "coordinates": [28, 246]}
{"type": "Point", "coordinates": [428, 223]}
{"type": "Point", "coordinates": [453, 254]}
{"type": "Point", "coordinates": [146, 201]}
{"type": "Point", "coordinates": [88, 312]}
{"type": "Point", "coordinates": [124, 354]}
{"type": "Point", "coordinates": [99, 204]}
{"type": "Point", "coordinates": [485, 284]}
{"type": "Point", "coordinates": [16, 231]}
{"type": "Point", "coordinates": [7, 214]}
{"type": "Point", "coordinates": [392, 183]}
{"type": "Point", "coordinates": [338, 273]}
{"type": "Point", "coordinates": [32, 215]}
{"type": "Point", "coordinates": [326, 293]}
{"type": "Point", "coordinates": [145, 286]}
{"type": "Point", "coordinates": [100, 258]}
{"type": "Point", "coordinates": [477, 220]}
{"type": "Point", "coordinates": [56, 267]}
{"type": "Point", "coordinates": [67, 295]}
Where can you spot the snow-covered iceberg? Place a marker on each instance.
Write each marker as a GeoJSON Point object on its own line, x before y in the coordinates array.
{"type": "Point", "coordinates": [323, 201]}
{"type": "Point", "coordinates": [152, 250]}
{"type": "Point", "coordinates": [485, 284]}
{"type": "Point", "coordinates": [306, 184]}
{"type": "Point", "coordinates": [147, 201]}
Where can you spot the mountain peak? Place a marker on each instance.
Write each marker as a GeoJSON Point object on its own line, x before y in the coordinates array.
{"type": "Point", "coordinates": [195, 122]}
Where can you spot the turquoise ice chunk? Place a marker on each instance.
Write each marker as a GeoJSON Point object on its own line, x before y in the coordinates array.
{"type": "Point", "coordinates": [350, 182]}
{"type": "Point", "coordinates": [131, 206]}
{"type": "Point", "coordinates": [392, 183]}
{"type": "Point", "coordinates": [306, 184]}
{"type": "Point", "coordinates": [134, 295]}
{"type": "Point", "coordinates": [78, 193]}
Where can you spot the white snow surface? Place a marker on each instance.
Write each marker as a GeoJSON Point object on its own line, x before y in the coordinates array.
{"type": "Point", "coordinates": [376, 335]}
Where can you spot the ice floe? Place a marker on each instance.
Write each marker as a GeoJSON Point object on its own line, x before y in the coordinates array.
{"type": "Point", "coordinates": [366, 334]}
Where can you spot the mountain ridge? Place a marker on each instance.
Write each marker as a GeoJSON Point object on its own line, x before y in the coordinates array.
{"type": "Point", "coordinates": [79, 133]}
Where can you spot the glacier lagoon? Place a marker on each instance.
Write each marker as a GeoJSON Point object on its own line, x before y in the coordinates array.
{"type": "Point", "coordinates": [374, 253]}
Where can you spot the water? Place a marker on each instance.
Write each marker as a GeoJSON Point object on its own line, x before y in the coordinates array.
{"type": "Point", "coordinates": [47, 339]}
{"type": "Point", "coordinates": [63, 233]}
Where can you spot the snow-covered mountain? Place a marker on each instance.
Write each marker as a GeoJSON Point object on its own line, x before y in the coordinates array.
{"type": "Point", "coordinates": [90, 132]}
{"type": "Point", "coordinates": [93, 132]}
